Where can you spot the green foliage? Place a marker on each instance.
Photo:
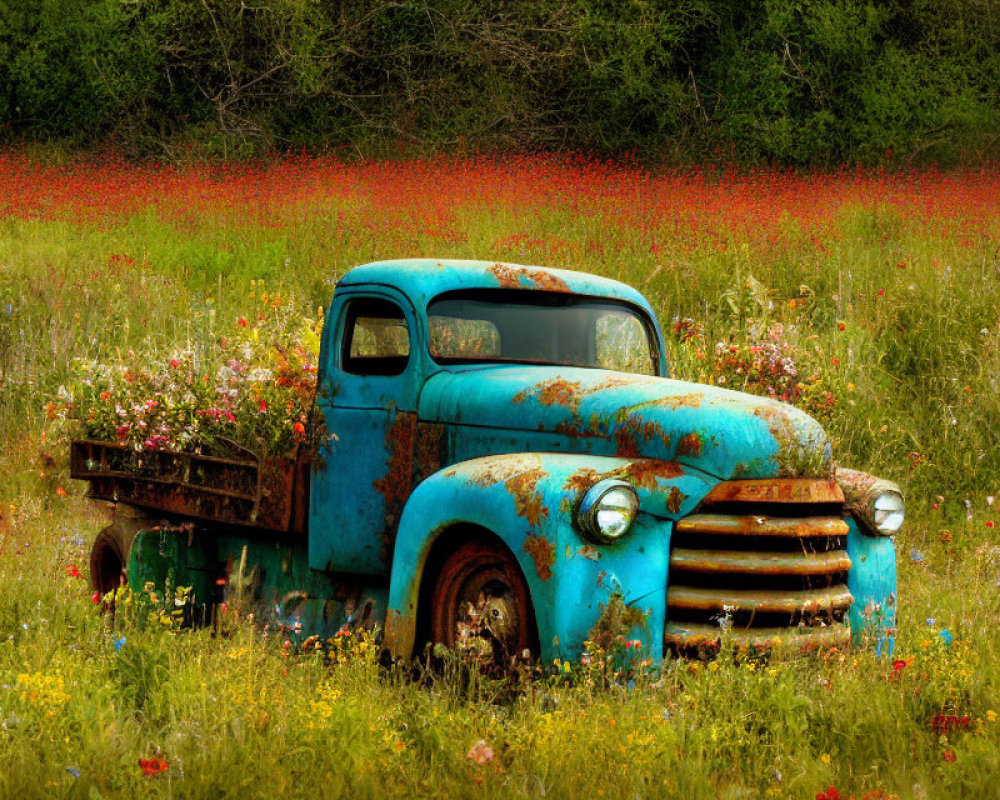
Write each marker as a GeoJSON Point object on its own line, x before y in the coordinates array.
{"type": "Point", "coordinates": [811, 82]}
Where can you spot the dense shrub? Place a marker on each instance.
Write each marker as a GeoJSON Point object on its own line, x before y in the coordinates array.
{"type": "Point", "coordinates": [819, 82]}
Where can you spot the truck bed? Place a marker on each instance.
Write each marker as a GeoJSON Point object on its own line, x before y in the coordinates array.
{"type": "Point", "coordinates": [270, 493]}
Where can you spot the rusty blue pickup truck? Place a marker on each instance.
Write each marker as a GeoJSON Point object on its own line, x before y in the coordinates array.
{"type": "Point", "coordinates": [505, 464]}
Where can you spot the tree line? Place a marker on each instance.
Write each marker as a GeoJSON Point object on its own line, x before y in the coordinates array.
{"type": "Point", "coordinates": [796, 82]}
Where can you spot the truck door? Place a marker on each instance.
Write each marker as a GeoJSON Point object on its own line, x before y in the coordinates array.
{"type": "Point", "coordinates": [368, 399]}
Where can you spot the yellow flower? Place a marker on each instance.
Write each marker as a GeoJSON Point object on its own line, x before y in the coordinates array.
{"type": "Point", "coordinates": [991, 716]}
{"type": "Point", "coordinates": [825, 758]}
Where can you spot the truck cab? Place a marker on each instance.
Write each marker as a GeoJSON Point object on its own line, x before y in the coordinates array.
{"type": "Point", "coordinates": [506, 462]}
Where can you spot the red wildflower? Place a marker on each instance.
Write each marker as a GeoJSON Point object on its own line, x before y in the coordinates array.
{"type": "Point", "coordinates": [989, 523]}
{"type": "Point", "coordinates": [243, 323]}
{"type": "Point", "coordinates": [95, 597]}
{"type": "Point", "coordinates": [949, 755]}
{"type": "Point", "coordinates": [73, 572]}
{"type": "Point", "coordinates": [881, 292]}
{"type": "Point", "coordinates": [152, 766]}
{"type": "Point", "coordinates": [830, 794]}
{"type": "Point", "coordinates": [899, 665]}
{"type": "Point", "coordinates": [942, 723]}
{"type": "Point", "coordinates": [174, 363]}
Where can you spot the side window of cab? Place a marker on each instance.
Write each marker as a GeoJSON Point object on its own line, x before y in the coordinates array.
{"type": "Point", "coordinates": [376, 338]}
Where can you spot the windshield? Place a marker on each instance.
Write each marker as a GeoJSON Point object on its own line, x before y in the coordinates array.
{"type": "Point", "coordinates": [536, 327]}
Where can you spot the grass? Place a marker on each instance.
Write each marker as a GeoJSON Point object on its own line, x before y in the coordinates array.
{"type": "Point", "coordinates": [885, 290]}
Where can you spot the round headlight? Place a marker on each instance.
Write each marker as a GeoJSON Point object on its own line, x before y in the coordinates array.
{"type": "Point", "coordinates": [887, 512]}
{"type": "Point", "coordinates": [608, 510]}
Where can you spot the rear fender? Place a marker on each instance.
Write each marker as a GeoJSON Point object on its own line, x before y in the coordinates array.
{"type": "Point", "coordinates": [528, 500]}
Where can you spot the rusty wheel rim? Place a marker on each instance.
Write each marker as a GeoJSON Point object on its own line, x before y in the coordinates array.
{"type": "Point", "coordinates": [480, 608]}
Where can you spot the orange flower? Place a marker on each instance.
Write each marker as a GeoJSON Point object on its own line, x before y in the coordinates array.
{"type": "Point", "coordinates": [152, 766]}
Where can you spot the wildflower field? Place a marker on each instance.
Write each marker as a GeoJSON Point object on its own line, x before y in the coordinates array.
{"type": "Point", "coordinates": [869, 298]}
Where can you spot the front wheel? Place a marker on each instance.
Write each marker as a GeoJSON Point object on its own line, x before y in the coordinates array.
{"type": "Point", "coordinates": [110, 553]}
{"type": "Point", "coordinates": [480, 606]}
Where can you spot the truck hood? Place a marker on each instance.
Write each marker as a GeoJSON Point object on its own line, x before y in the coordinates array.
{"type": "Point", "coordinates": [724, 433]}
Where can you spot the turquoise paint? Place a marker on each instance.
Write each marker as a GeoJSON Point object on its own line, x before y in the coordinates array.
{"type": "Point", "coordinates": [494, 423]}
{"type": "Point", "coordinates": [872, 582]}
{"type": "Point", "coordinates": [738, 435]}
{"type": "Point", "coordinates": [569, 602]}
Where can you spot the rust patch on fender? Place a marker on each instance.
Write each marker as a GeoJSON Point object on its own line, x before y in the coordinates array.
{"type": "Point", "coordinates": [644, 472]}
{"type": "Point", "coordinates": [583, 479]}
{"type": "Point", "coordinates": [589, 552]}
{"type": "Point", "coordinates": [500, 469]}
{"type": "Point", "coordinates": [520, 475]}
{"type": "Point", "coordinates": [511, 276]}
{"type": "Point", "coordinates": [691, 445]}
{"type": "Point", "coordinates": [554, 392]}
{"type": "Point", "coordinates": [542, 553]}
{"type": "Point", "coordinates": [528, 501]}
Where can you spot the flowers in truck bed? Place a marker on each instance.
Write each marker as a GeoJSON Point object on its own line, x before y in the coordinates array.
{"type": "Point", "coordinates": [249, 386]}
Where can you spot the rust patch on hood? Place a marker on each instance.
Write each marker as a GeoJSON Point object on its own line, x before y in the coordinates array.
{"type": "Point", "coordinates": [797, 455]}
{"type": "Point", "coordinates": [542, 553]}
{"type": "Point", "coordinates": [610, 382]}
{"type": "Point", "coordinates": [691, 400]}
{"type": "Point", "coordinates": [554, 392]}
{"type": "Point", "coordinates": [512, 276]}
{"type": "Point", "coordinates": [691, 445]}
{"type": "Point", "coordinates": [632, 434]}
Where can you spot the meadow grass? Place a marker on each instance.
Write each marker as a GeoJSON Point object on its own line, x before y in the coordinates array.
{"type": "Point", "coordinates": [885, 291]}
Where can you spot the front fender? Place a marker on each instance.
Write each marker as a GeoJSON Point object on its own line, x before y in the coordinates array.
{"type": "Point", "coordinates": [528, 501]}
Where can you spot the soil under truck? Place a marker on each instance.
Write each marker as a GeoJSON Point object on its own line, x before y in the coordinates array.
{"type": "Point", "coordinates": [506, 463]}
